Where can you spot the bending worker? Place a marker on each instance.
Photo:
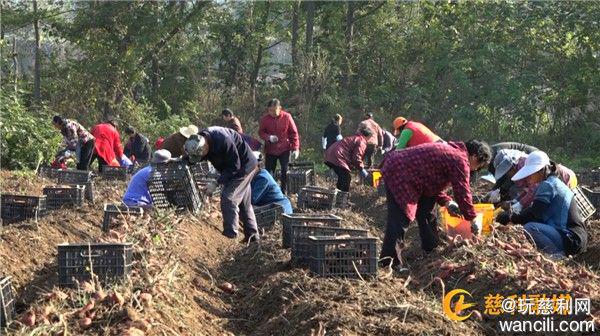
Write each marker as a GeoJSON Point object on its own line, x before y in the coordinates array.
{"type": "Point", "coordinates": [266, 191]}
{"type": "Point", "coordinates": [233, 159]}
{"type": "Point", "coordinates": [411, 133]}
{"type": "Point", "coordinates": [553, 220]}
{"type": "Point", "coordinates": [346, 154]}
{"type": "Point", "coordinates": [137, 193]}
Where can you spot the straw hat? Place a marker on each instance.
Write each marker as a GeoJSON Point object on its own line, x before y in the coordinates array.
{"type": "Point", "coordinates": [188, 130]}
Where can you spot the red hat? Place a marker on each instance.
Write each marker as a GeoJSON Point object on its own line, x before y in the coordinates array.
{"type": "Point", "coordinates": [159, 142]}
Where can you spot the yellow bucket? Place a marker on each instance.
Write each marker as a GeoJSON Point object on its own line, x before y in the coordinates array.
{"type": "Point", "coordinates": [459, 226]}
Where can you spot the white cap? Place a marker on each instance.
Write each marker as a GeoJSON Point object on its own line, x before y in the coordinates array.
{"type": "Point", "coordinates": [161, 156]}
{"type": "Point", "coordinates": [534, 163]}
{"type": "Point", "coordinates": [505, 159]}
{"type": "Point", "coordinates": [188, 130]}
{"type": "Point", "coordinates": [489, 177]}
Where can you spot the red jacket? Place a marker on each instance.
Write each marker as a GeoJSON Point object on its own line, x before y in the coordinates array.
{"type": "Point", "coordinates": [108, 143]}
{"type": "Point", "coordinates": [347, 153]}
{"type": "Point", "coordinates": [284, 128]}
{"type": "Point", "coordinates": [420, 134]}
{"type": "Point", "coordinates": [377, 137]}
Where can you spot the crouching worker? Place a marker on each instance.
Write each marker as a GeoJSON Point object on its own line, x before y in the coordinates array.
{"type": "Point", "coordinates": [137, 193]}
{"type": "Point", "coordinates": [346, 154]}
{"type": "Point", "coordinates": [415, 179]}
{"type": "Point", "coordinates": [233, 159]}
{"type": "Point", "coordinates": [553, 220]}
{"type": "Point", "coordinates": [266, 191]}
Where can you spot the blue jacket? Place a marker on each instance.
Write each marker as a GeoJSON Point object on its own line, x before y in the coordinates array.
{"type": "Point", "coordinates": [228, 153]}
{"type": "Point", "coordinates": [137, 193]}
{"type": "Point", "coordinates": [266, 191]}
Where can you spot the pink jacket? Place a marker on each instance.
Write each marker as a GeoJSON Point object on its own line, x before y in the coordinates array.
{"type": "Point", "coordinates": [284, 128]}
{"type": "Point", "coordinates": [347, 153]}
{"type": "Point", "coordinates": [377, 137]}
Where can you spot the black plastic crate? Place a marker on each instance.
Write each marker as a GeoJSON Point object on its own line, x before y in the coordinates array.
{"type": "Point", "coordinates": [300, 234]}
{"type": "Point", "coordinates": [115, 173]}
{"type": "Point", "coordinates": [88, 191]}
{"type": "Point", "coordinates": [298, 179]}
{"type": "Point", "coordinates": [342, 199]}
{"type": "Point", "coordinates": [594, 197]}
{"type": "Point", "coordinates": [343, 256]}
{"type": "Point", "coordinates": [302, 165]}
{"type": "Point", "coordinates": [586, 209]}
{"type": "Point", "coordinates": [61, 196]}
{"type": "Point", "coordinates": [316, 198]}
{"type": "Point", "coordinates": [74, 176]}
{"type": "Point", "coordinates": [115, 211]}
{"type": "Point", "coordinates": [48, 172]}
{"type": "Point", "coordinates": [108, 261]}
{"type": "Point", "coordinates": [315, 219]}
{"type": "Point", "coordinates": [16, 208]}
{"type": "Point", "coordinates": [7, 302]}
{"type": "Point", "coordinates": [267, 215]}
{"type": "Point", "coordinates": [202, 182]}
{"type": "Point", "coordinates": [172, 185]}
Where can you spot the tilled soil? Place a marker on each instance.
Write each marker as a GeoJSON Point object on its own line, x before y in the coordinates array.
{"type": "Point", "coordinates": [182, 260]}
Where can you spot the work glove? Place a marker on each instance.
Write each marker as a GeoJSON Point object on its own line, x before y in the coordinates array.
{"type": "Point", "coordinates": [494, 196]}
{"type": "Point", "coordinates": [211, 187]}
{"type": "Point", "coordinates": [273, 139]}
{"type": "Point", "coordinates": [382, 151]}
{"type": "Point", "coordinates": [324, 143]}
{"type": "Point", "coordinates": [339, 137]}
{"type": "Point", "coordinates": [516, 208]}
{"type": "Point", "coordinates": [125, 162]}
{"type": "Point", "coordinates": [503, 217]}
{"type": "Point", "coordinates": [453, 209]}
{"type": "Point", "coordinates": [295, 154]}
{"type": "Point", "coordinates": [364, 173]}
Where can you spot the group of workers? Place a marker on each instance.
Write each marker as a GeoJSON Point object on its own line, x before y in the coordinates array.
{"type": "Point", "coordinates": [417, 168]}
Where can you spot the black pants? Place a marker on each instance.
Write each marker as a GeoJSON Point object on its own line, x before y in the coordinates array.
{"type": "Point", "coordinates": [344, 177]}
{"type": "Point", "coordinates": [85, 156]}
{"type": "Point", "coordinates": [369, 155]}
{"type": "Point", "coordinates": [101, 162]}
{"type": "Point", "coordinates": [271, 164]}
{"type": "Point", "coordinates": [397, 224]}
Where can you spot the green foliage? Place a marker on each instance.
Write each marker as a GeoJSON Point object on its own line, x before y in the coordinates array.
{"type": "Point", "coordinates": [27, 137]}
{"type": "Point", "coordinates": [501, 71]}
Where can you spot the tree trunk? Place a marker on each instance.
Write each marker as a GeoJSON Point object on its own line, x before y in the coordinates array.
{"type": "Point", "coordinates": [259, 55]}
{"type": "Point", "coordinates": [155, 75]}
{"type": "Point", "coordinates": [15, 64]}
{"type": "Point", "coordinates": [310, 23]}
{"type": "Point", "coordinates": [37, 70]}
{"type": "Point", "coordinates": [295, 14]}
{"type": "Point", "coordinates": [349, 35]}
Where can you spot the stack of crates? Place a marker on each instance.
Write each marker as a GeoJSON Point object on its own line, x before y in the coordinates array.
{"type": "Point", "coordinates": [115, 211]}
{"type": "Point", "coordinates": [7, 302]}
{"type": "Point", "coordinates": [68, 195]}
{"type": "Point", "coordinates": [342, 256]}
{"type": "Point", "coordinates": [301, 219]}
{"type": "Point", "coordinates": [316, 198]}
{"type": "Point", "coordinates": [267, 215]}
{"type": "Point", "coordinates": [299, 175]}
{"type": "Point", "coordinates": [16, 208]}
{"type": "Point", "coordinates": [78, 177]}
{"type": "Point", "coordinates": [301, 243]}
{"type": "Point", "coordinates": [108, 261]}
{"type": "Point", "coordinates": [115, 173]}
{"type": "Point", "coordinates": [172, 185]}
{"type": "Point", "coordinates": [586, 208]}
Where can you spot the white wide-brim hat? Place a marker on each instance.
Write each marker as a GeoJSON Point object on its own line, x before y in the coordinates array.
{"type": "Point", "coordinates": [534, 162]}
{"type": "Point", "coordinates": [188, 130]}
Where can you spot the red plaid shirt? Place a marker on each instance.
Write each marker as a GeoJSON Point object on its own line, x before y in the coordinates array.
{"type": "Point", "coordinates": [428, 170]}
